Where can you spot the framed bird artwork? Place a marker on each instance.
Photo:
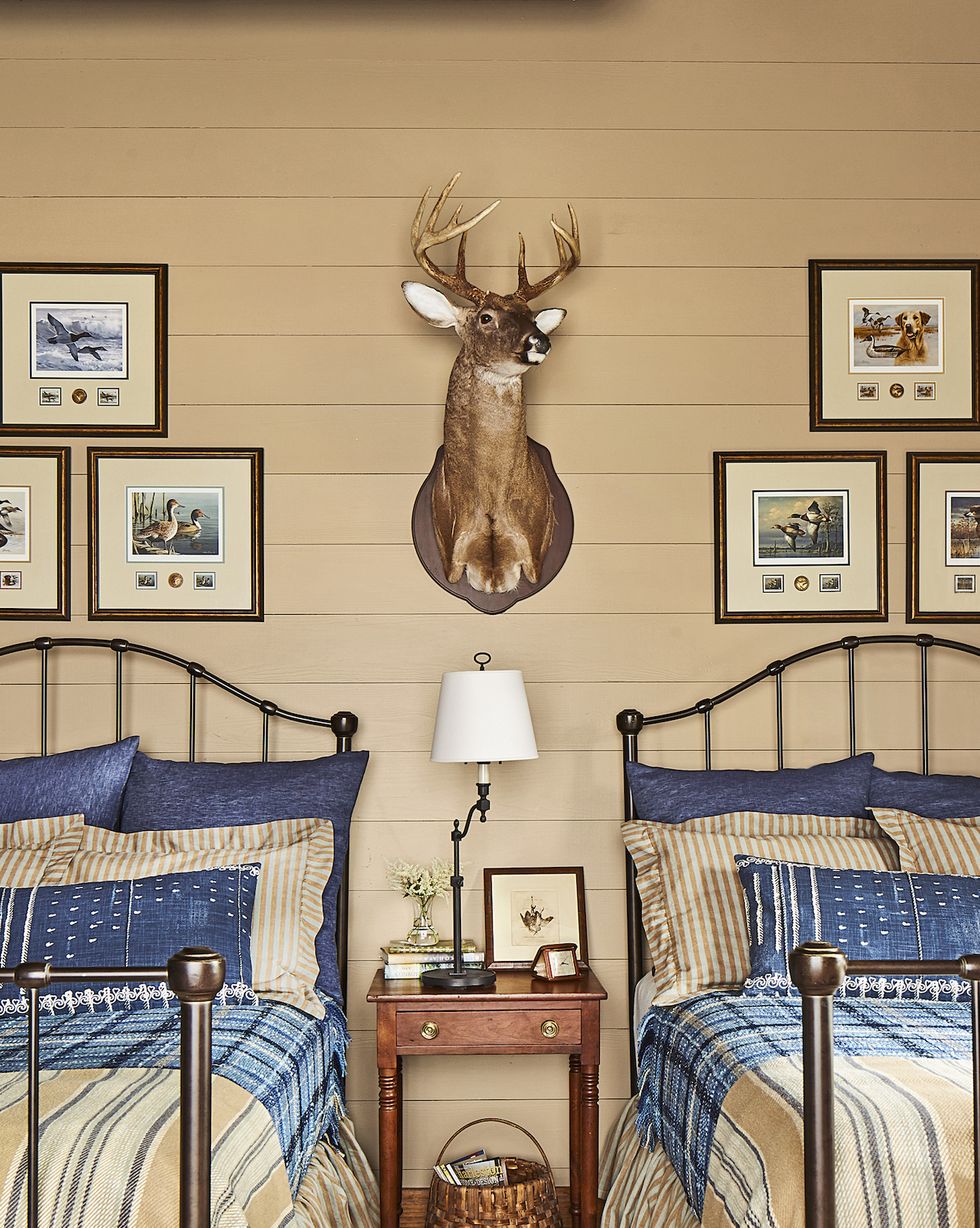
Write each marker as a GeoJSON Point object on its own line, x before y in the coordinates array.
{"type": "Point", "coordinates": [83, 349]}
{"type": "Point", "coordinates": [526, 909]}
{"type": "Point", "coordinates": [800, 536]}
{"type": "Point", "coordinates": [944, 537]}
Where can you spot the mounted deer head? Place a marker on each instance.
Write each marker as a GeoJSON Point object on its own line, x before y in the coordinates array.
{"type": "Point", "coordinates": [492, 504]}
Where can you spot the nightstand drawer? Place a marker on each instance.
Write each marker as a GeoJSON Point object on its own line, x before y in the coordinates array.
{"type": "Point", "coordinates": [442, 1028]}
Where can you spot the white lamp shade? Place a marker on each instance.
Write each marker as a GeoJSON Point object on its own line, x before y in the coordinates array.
{"type": "Point", "coordinates": [483, 717]}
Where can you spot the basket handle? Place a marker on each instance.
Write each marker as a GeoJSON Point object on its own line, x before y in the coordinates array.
{"type": "Point", "coordinates": [500, 1121]}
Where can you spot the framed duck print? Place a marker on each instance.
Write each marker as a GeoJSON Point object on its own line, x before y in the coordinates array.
{"type": "Point", "coordinates": [893, 345]}
{"type": "Point", "coordinates": [943, 537]}
{"type": "Point", "coordinates": [800, 536]}
{"type": "Point", "coordinates": [34, 527]}
{"type": "Point", "coordinates": [175, 533]}
{"type": "Point", "coordinates": [83, 349]}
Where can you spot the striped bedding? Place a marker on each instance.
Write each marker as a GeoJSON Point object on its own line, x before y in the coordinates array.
{"type": "Point", "coordinates": [112, 1082]}
{"type": "Point", "coordinates": [721, 1099]}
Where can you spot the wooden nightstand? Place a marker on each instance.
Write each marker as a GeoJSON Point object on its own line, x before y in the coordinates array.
{"type": "Point", "coordinates": [520, 1014]}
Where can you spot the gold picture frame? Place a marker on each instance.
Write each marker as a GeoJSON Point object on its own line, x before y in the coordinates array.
{"type": "Point", "coordinates": [83, 349]}
{"type": "Point", "coordinates": [893, 345]}
{"type": "Point", "coordinates": [162, 519]}
{"type": "Point", "coordinates": [943, 546]}
{"type": "Point", "coordinates": [35, 514]}
{"type": "Point", "coordinates": [804, 517]}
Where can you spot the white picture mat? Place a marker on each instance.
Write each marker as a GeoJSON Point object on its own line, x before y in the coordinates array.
{"type": "Point", "coordinates": [511, 894]}
{"type": "Point", "coordinates": [20, 391]}
{"type": "Point", "coordinates": [39, 575]}
{"type": "Point", "coordinates": [859, 585]}
{"type": "Point", "coordinates": [954, 387]}
{"type": "Point", "coordinates": [116, 580]}
{"type": "Point", "coordinates": [935, 577]}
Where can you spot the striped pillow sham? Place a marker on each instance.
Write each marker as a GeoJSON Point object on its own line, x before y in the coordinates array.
{"type": "Point", "coordinates": [691, 896]}
{"type": "Point", "coordinates": [295, 856]}
{"type": "Point", "coordinates": [932, 846]}
{"type": "Point", "coordinates": [36, 851]}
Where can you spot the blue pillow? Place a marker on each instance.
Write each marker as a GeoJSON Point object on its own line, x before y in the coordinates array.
{"type": "Point", "coordinates": [869, 914]}
{"type": "Point", "coordinates": [88, 782]}
{"type": "Point", "coordinates": [930, 797]}
{"type": "Point", "coordinates": [163, 795]}
{"type": "Point", "coordinates": [669, 795]}
{"type": "Point", "coordinates": [128, 923]}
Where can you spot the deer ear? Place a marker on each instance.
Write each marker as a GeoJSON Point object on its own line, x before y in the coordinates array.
{"type": "Point", "coordinates": [432, 306]}
{"type": "Point", "coordinates": [549, 319]}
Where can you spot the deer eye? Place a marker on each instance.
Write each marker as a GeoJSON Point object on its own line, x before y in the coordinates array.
{"type": "Point", "coordinates": [486, 318]}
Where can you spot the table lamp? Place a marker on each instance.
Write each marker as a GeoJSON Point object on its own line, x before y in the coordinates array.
{"type": "Point", "coordinates": [482, 718]}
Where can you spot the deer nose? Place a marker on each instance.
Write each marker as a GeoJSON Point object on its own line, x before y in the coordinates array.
{"type": "Point", "coordinates": [538, 343]}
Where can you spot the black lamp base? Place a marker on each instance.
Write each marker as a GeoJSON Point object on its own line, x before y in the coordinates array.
{"type": "Point", "coordinates": [469, 978]}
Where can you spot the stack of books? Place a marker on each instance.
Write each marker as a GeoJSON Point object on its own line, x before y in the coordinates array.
{"type": "Point", "coordinates": [405, 962]}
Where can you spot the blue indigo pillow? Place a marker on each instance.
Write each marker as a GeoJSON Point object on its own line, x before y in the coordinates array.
{"type": "Point", "coordinates": [930, 797]}
{"type": "Point", "coordinates": [670, 795]}
{"type": "Point", "coordinates": [89, 782]}
{"type": "Point", "coordinates": [164, 795]}
{"type": "Point", "coordinates": [128, 923]}
{"type": "Point", "coordinates": [869, 914]}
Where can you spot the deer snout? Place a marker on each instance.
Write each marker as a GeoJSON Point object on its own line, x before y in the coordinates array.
{"type": "Point", "coordinates": [537, 347]}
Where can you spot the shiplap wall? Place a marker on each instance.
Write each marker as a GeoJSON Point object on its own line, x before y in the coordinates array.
{"type": "Point", "coordinates": [273, 155]}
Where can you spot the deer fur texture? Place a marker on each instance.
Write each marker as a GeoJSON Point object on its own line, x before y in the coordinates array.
{"type": "Point", "coordinates": [492, 507]}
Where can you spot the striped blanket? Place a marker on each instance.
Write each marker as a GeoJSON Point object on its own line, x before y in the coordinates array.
{"type": "Point", "coordinates": [109, 1136]}
{"type": "Point", "coordinates": [721, 1091]}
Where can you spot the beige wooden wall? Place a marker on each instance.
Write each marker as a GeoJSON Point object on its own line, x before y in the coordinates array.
{"type": "Point", "coordinates": [272, 155]}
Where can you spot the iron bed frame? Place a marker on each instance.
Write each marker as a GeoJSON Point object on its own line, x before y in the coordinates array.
{"type": "Point", "coordinates": [195, 975]}
{"type": "Point", "coordinates": [818, 969]}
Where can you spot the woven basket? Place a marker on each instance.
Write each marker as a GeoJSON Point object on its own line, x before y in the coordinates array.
{"type": "Point", "coordinates": [529, 1201]}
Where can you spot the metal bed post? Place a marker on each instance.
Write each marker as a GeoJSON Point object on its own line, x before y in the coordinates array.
{"type": "Point", "coordinates": [925, 642]}
{"type": "Point", "coordinates": [629, 723]}
{"type": "Point", "coordinates": [818, 970]}
{"type": "Point", "coordinates": [776, 669]}
{"type": "Point", "coordinates": [850, 644]}
{"type": "Point", "coordinates": [196, 976]}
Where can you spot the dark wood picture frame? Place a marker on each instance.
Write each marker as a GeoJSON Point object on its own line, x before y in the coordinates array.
{"type": "Point", "coordinates": [159, 425]}
{"type": "Point", "coordinates": [255, 612]}
{"type": "Point", "coordinates": [818, 420]}
{"type": "Point", "coordinates": [492, 872]}
{"type": "Point", "coordinates": [725, 615]}
{"type": "Point", "coordinates": [61, 610]}
{"type": "Point", "coordinates": [914, 612]}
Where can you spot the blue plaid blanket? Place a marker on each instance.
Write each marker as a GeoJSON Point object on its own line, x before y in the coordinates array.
{"type": "Point", "coordinates": [292, 1063]}
{"type": "Point", "coordinates": [692, 1054]}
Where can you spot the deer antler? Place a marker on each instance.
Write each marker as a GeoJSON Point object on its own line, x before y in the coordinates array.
{"type": "Point", "coordinates": [431, 236]}
{"type": "Point", "coordinates": [569, 258]}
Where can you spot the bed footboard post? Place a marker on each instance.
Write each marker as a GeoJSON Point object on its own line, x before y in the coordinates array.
{"type": "Point", "coordinates": [196, 976]}
{"type": "Point", "coordinates": [970, 971]}
{"type": "Point", "coordinates": [818, 970]}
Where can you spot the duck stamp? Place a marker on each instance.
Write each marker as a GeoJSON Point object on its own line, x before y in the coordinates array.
{"type": "Point", "coordinates": [11, 579]}
{"type": "Point", "coordinates": [146, 579]}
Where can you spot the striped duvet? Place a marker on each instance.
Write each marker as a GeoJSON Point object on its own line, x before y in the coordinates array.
{"type": "Point", "coordinates": [110, 1123]}
{"type": "Point", "coordinates": [716, 1132]}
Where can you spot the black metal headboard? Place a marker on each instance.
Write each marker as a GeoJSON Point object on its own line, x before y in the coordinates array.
{"type": "Point", "coordinates": [629, 723]}
{"type": "Point", "coordinates": [343, 725]}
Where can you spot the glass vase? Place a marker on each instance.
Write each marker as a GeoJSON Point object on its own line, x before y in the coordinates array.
{"type": "Point", "coordinates": [423, 932]}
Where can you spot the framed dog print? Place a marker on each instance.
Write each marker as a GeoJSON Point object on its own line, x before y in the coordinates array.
{"type": "Point", "coordinates": [800, 536]}
{"type": "Point", "coordinates": [83, 349]}
{"type": "Point", "coordinates": [34, 526]}
{"type": "Point", "coordinates": [527, 909]}
{"type": "Point", "coordinates": [893, 345]}
{"type": "Point", "coordinates": [943, 536]}
{"type": "Point", "coordinates": [175, 533]}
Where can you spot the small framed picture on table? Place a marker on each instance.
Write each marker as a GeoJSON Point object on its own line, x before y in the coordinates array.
{"type": "Point", "coordinates": [528, 909]}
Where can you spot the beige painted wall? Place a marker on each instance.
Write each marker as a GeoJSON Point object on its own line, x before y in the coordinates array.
{"type": "Point", "coordinates": [273, 153]}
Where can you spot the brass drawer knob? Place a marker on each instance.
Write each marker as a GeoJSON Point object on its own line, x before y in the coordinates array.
{"type": "Point", "coordinates": [430, 1030]}
{"type": "Point", "coordinates": [550, 1029]}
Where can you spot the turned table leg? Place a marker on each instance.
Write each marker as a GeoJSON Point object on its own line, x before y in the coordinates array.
{"type": "Point", "coordinates": [389, 1138]}
{"type": "Point", "coordinates": [575, 1137]}
{"type": "Point", "coordinates": [589, 1174]}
